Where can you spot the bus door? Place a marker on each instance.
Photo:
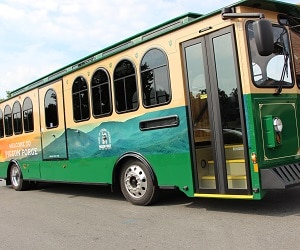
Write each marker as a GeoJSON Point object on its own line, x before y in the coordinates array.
{"type": "Point", "coordinates": [215, 114]}
{"type": "Point", "coordinates": [53, 136]}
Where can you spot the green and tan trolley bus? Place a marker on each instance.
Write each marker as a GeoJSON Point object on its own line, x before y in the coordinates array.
{"type": "Point", "coordinates": [207, 104]}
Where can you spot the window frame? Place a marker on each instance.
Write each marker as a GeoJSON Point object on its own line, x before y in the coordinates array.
{"type": "Point", "coordinates": [8, 131]}
{"type": "Point", "coordinates": [250, 58]}
{"type": "Point", "coordinates": [17, 125]}
{"type": "Point", "coordinates": [152, 69]}
{"type": "Point", "coordinates": [1, 124]}
{"type": "Point", "coordinates": [46, 122]}
{"type": "Point", "coordinates": [123, 79]}
{"type": "Point", "coordinates": [77, 93]}
{"type": "Point", "coordinates": [28, 120]}
{"type": "Point", "coordinates": [99, 86]}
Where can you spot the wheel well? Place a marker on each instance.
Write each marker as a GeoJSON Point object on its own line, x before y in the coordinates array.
{"type": "Point", "coordinates": [8, 182]}
{"type": "Point", "coordinates": [121, 161]}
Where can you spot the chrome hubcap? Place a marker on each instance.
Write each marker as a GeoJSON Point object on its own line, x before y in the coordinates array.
{"type": "Point", "coordinates": [135, 181]}
{"type": "Point", "coordinates": [15, 176]}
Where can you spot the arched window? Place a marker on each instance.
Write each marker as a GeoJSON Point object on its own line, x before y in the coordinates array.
{"type": "Point", "coordinates": [155, 78]}
{"type": "Point", "coordinates": [125, 87]}
{"type": "Point", "coordinates": [51, 112]}
{"type": "Point", "coordinates": [28, 115]}
{"type": "Point", "coordinates": [17, 118]}
{"type": "Point", "coordinates": [81, 110]}
{"type": "Point", "coordinates": [8, 121]}
{"type": "Point", "coordinates": [1, 125]}
{"type": "Point", "coordinates": [101, 93]}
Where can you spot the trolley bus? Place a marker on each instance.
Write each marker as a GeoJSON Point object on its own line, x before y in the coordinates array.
{"type": "Point", "coordinates": [207, 104]}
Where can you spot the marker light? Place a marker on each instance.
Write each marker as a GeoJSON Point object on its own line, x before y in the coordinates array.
{"type": "Point", "coordinates": [277, 124]}
{"type": "Point", "coordinates": [253, 157]}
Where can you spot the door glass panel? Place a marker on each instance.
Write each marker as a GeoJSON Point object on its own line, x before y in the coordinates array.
{"type": "Point", "coordinates": [51, 115]}
{"type": "Point", "coordinates": [195, 65]}
{"type": "Point", "coordinates": [230, 111]}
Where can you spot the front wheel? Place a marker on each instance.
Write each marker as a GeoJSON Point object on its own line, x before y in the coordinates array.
{"type": "Point", "coordinates": [137, 184]}
{"type": "Point", "coordinates": [16, 178]}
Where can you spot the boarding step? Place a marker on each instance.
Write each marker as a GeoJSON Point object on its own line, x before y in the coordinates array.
{"type": "Point", "coordinates": [234, 181]}
{"type": "Point", "coordinates": [234, 151]}
{"type": "Point", "coordinates": [231, 152]}
{"type": "Point", "coordinates": [233, 167]}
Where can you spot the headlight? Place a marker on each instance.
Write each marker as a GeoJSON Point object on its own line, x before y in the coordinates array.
{"type": "Point", "coordinates": [277, 124]}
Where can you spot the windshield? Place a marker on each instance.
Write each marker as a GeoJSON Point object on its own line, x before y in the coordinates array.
{"type": "Point", "coordinates": [273, 70]}
{"type": "Point", "coordinates": [295, 36]}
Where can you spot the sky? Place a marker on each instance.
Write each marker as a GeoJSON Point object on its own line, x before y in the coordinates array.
{"type": "Point", "coordinates": [39, 37]}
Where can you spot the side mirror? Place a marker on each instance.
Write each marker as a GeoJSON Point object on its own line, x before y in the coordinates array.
{"type": "Point", "coordinates": [263, 34]}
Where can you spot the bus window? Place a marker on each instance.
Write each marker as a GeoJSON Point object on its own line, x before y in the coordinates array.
{"type": "Point", "coordinates": [295, 36]}
{"type": "Point", "coordinates": [1, 125]}
{"type": "Point", "coordinates": [275, 69]}
{"type": "Point", "coordinates": [27, 115]}
{"type": "Point", "coordinates": [81, 110]}
{"type": "Point", "coordinates": [17, 118]}
{"type": "Point", "coordinates": [125, 87]}
{"type": "Point", "coordinates": [155, 78]}
{"type": "Point", "coordinates": [8, 121]}
{"type": "Point", "coordinates": [101, 93]}
{"type": "Point", "coordinates": [51, 114]}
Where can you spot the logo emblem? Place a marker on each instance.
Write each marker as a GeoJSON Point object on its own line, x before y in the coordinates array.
{"type": "Point", "coordinates": [104, 140]}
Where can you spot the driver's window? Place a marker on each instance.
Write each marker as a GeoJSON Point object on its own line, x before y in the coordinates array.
{"type": "Point", "coordinates": [257, 73]}
{"type": "Point", "coordinates": [275, 69]}
{"type": "Point", "coordinates": [296, 51]}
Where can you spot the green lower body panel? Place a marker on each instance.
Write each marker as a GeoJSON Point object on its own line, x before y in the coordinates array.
{"type": "Point", "coordinates": [277, 152]}
{"type": "Point", "coordinates": [93, 150]}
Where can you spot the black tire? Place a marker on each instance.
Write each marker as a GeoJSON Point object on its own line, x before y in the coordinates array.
{"type": "Point", "coordinates": [33, 185]}
{"type": "Point", "coordinates": [137, 183]}
{"type": "Point", "coordinates": [16, 178]}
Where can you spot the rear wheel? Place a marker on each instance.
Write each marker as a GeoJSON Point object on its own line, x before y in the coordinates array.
{"type": "Point", "coordinates": [137, 184]}
{"type": "Point", "coordinates": [16, 178]}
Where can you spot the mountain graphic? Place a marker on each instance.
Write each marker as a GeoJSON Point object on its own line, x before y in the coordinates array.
{"type": "Point", "coordinates": [125, 137]}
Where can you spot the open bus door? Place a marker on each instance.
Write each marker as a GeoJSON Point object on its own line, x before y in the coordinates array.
{"type": "Point", "coordinates": [54, 145]}
{"type": "Point", "coordinates": [216, 118]}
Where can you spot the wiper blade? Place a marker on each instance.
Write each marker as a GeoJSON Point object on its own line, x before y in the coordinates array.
{"type": "Point", "coordinates": [285, 72]}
